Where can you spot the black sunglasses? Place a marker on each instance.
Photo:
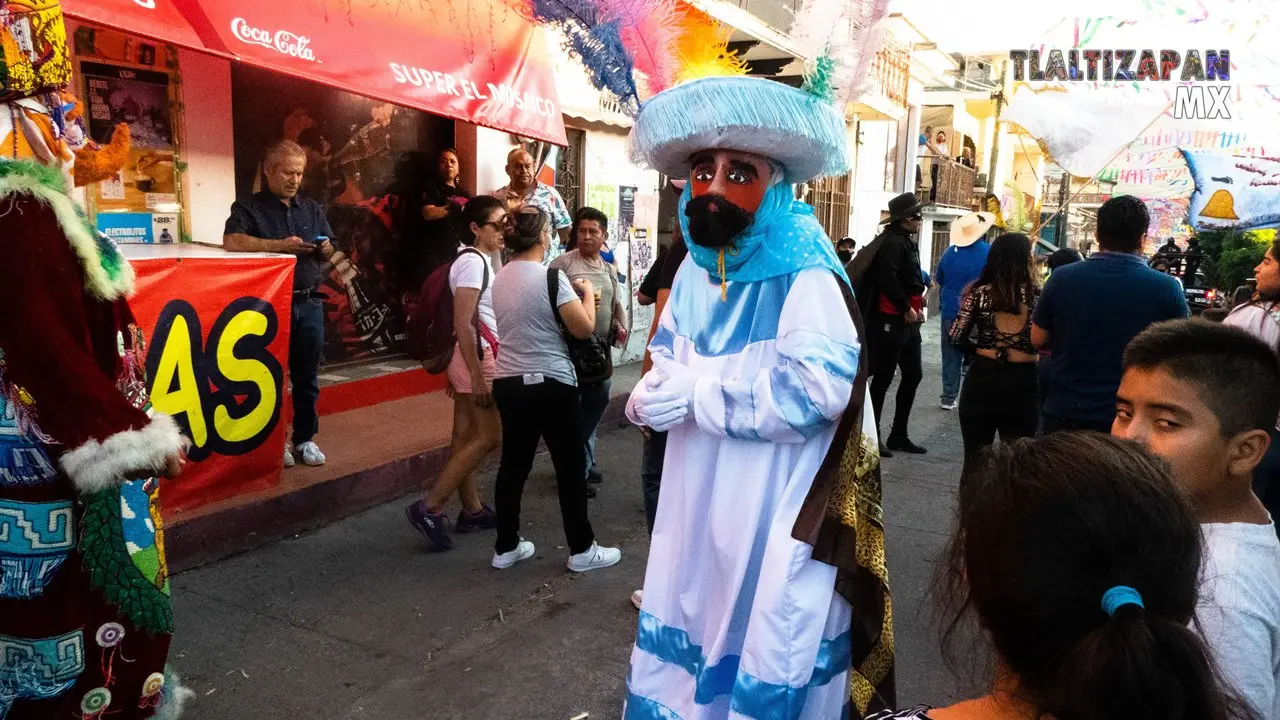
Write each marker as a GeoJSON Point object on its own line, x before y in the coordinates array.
{"type": "Point", "coordinates": [497, 224]}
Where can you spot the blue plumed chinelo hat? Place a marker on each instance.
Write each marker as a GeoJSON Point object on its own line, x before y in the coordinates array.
{"type": "Point", "coordinates": [801, 131]}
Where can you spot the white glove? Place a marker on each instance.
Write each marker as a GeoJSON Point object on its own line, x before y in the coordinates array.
{"type": "Point", "coordinates": [655, 406]}
{"type": "Point", "coordinates": [670, 376]}
{"type": "Point", "coordinates": [657, 410]}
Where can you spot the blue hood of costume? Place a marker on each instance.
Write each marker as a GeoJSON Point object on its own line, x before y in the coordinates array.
{"type": "Point", "coordinates": [784, 238]}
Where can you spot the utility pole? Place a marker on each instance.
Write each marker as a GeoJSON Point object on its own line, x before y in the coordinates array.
{"type": "Point", "coordinates": [995, 135]}
{"type": "Point", "coordinates": [1064, 209]}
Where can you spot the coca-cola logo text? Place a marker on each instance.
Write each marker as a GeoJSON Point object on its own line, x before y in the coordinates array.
{"type": "Point", "coordinates": [282, 41]}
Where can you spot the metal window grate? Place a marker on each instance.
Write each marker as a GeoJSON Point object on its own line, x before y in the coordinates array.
{"type": "Point", "coordinates": [569, 169]}
{"type": "Point", "coordinates": [830, 200]}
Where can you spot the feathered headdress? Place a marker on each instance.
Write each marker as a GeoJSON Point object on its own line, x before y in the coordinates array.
{"type": "Point", "coordinates": [670, 66]}
{"type": "Point", "coordinates": [839, 40]}
{"type": "Point", "coordinates": [712, 105]}
{"type": "Point", "coordinates": [627, 47]}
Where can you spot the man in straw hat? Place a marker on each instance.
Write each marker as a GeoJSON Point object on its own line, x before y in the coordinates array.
{"type": "Point", "coordinates": [85, 619]}
{"type": "Point", "coordinates": [959, 266]}
{"type": "Point", "coordinates": [766, 592]}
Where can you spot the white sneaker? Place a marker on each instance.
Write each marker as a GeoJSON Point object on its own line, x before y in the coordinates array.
{"type": "Point", "coordinates": [524, 550]}
{"type": "Point", "coordinates": [637, 598]}
{"type": "Point", "coordinates": [949, 405]}
{"type": "Point", "coordinates": [288, 456]}
{"type": "Point", "coordinates": [594, 558]}
{"type": "Point", "coordinates": [311, 454]}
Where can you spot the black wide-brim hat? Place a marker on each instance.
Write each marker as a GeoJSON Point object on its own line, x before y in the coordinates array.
{"type": "Point", "coordinates": [903, 206]}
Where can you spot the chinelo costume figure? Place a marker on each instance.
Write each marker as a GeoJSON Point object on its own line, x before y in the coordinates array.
{"type": "Point", "coordinates": [85, 618]}
{"type": "Point", "coordinates": [766, 593]}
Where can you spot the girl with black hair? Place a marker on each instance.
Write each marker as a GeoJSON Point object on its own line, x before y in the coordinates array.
{"type": "Point", "coordinates": [999, 394]}
{"type": "Point", "coordinates": [477, 430]}
{"type": "Point", "coordinates": [1080, 562]}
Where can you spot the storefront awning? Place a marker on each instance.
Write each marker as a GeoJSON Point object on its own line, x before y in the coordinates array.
{"type": "Point", "coordinates": [159, 19]}
{"type": "Point", "coordinates": [472, 60]}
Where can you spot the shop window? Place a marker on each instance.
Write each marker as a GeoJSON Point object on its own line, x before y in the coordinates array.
{"type": "Point", "coordinates": [830, 200]}
{"type": "Point", "coordinates": [569, 169]}
{"type": "Point", "coordinates": [123, 81]}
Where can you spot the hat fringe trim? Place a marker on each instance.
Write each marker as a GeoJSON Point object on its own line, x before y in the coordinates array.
{"type": "Point", "coordinates": [107, 274]}
{"type": "Point", "coordinates": [743, 113]}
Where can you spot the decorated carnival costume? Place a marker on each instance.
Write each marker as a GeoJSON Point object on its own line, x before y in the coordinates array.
{"type": "Point", "coordinates": [766, 593]}
{"type": "Point", "coordinates": [85, 617]}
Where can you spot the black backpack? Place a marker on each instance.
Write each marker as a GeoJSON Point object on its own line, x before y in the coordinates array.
{"type": "Point", "coordinates": [859, 272]}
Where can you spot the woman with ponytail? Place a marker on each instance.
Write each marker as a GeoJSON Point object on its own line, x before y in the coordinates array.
{"type": "Point", "coordinates": [536, 389]}
{"type": "Point", "coordinates": [1079, 560]}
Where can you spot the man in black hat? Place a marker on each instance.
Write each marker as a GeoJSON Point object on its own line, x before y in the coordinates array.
{"type": "Point", "coordinates": [891, 291]}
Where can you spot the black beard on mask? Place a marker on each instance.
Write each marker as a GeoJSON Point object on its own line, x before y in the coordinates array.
{"type": "Point", "coordinates": [716, 229]}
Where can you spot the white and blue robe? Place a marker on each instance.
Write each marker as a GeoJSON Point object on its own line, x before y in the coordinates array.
{"type": "Point", "coordinates": [739, 620]}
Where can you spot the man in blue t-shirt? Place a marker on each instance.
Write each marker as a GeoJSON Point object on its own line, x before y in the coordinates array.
{"type": "Point", "coordinates": [1088, 313]}
{"type": "Point", "coordinates": [959, 266]}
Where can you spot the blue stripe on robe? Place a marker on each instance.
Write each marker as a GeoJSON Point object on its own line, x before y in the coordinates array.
{"type": "Point", "coordinates": [837, 360]}
{"type": "Point", "coordinates": [751, 696]}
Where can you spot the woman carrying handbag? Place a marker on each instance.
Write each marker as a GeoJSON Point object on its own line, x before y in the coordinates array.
{"type": "Point", "coordinates": [536, 389]}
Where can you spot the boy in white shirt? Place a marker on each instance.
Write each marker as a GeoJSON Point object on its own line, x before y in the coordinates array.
{"type": "Point", "coordinates": [1204, 397]}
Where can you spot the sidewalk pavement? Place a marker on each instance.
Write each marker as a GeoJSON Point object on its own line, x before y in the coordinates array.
{"type": "Point", "coordinates": [375, 454]}
{"type": "Point", "coordinates": [358, 620]}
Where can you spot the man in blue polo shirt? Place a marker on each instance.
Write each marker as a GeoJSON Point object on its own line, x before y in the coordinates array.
{"type": "Point", "coordinates": [278, 220]}
{"type": "Point", "coordinates": [960, 265]}
{"type": "Point", "coordinates": [1088, 313]}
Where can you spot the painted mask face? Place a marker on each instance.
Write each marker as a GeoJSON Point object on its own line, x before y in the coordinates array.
{"type": "Point", "coordinates": [741, 178]}
{"type": "Point", "coordinates": [727, 188]}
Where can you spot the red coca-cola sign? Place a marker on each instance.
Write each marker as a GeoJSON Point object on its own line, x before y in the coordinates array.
{"type": "Point", "coordinates": [282, 41]}
{"type": "Point", "coordinates": [500, 77]}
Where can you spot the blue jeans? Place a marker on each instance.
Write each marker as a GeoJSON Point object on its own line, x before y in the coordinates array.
{"type": "Point", "coordinates": [952, 365]}
{"type": "Point", "coordinates": [595, 399]}
{"type": "Point", "coordinates": [306, 348]}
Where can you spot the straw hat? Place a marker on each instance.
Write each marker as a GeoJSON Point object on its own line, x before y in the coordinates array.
{"type": "Point", "coordinates": [969, 229]}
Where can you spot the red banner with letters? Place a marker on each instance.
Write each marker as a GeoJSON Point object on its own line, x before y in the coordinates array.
{"type": "Point", "coordinates": [472, 60]}
{"type": "Point", "coordinates": [217, 333]}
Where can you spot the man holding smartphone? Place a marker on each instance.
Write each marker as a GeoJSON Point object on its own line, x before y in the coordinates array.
{"type": "Point", "coordinates": [278, 220]}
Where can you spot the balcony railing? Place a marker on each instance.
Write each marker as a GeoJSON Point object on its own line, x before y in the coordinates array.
{"type": "Point", "coordinates": [946, 182]}
{"type": "Point", "coordinates": [892, 73]}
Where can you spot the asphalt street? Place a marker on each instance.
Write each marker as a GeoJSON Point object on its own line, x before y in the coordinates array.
{"type": "Point", "coordinates": [358, 620]}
